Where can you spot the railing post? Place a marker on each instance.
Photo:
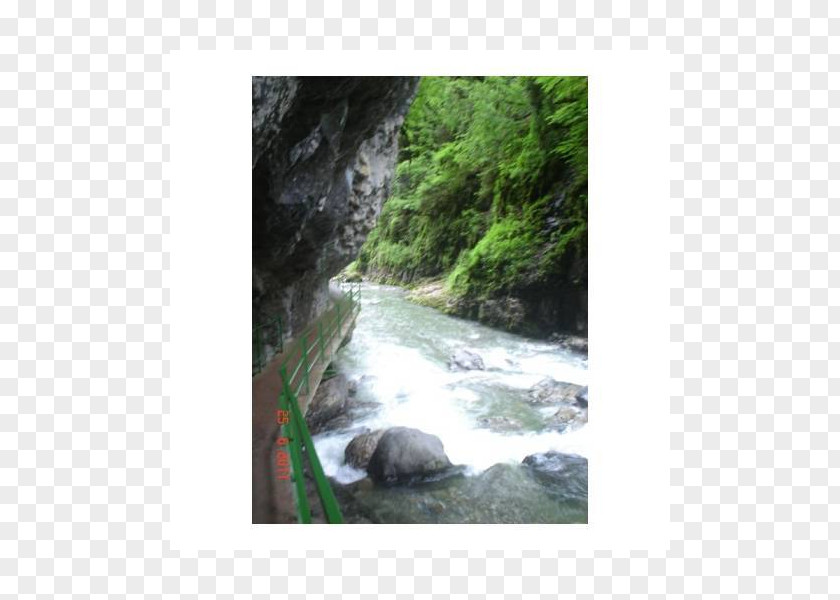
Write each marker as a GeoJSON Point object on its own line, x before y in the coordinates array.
{"type": "Point", "coordinates": [284, 378]}
{"type": "Point", "coordinates": [328, 500]}
{"type": "Point", "coordinates": [295, 429]}
{"type": "Point", "coordinates": [292, 431]}
{"type": "Point", "coordinates": [338, 318]}
{"type": "Point", "coordinates": [304, 354]}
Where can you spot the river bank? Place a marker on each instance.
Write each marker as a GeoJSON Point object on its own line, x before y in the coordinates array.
{"type": "Point", "coordinates": [511, 313]}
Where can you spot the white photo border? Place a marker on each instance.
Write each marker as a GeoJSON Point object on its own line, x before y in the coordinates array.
{"type": "Point", "coordinates": [209, 457]}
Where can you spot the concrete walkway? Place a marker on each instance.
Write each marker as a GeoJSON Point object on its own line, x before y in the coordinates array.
{"type": "Point", "coordinates": [271, 499]}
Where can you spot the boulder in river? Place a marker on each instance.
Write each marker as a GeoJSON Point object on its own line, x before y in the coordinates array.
{"type": "Point", "coordinates": [566, 475]}
{"type": "Point", "coordinates": [403, 452]}
{"type": "Point", "coordinates": [465, 360]}
{"type": "Point", "coordinates": [569, 417]}
{"type": "Point", "coordinates": [360, 449]}
{"type": "Point", "coordinates": [550, 391]}
{"type": "Point", "coordinates": [353, 387]}
{"type": "Point", "coordinates": [582, 397]}
{"type": "Point", "coordinates": [328, 403]}
{"type": "Point", "coordinates": [500, 423]}
{"type": "Point", "coordinates": [575, 343]}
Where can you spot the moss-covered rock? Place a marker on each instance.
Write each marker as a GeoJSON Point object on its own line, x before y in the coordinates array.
{"type": "Point", "coordinates": [434, 294]}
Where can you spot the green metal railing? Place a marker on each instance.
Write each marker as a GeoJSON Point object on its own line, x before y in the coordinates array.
{"type": "Point", "coordinates": [314, 347]}
{"type": "Point", "coordinates": [265, 336]}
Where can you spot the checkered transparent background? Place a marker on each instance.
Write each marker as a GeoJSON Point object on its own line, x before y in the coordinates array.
{"type": "Point", "coordinates": [82, 296]}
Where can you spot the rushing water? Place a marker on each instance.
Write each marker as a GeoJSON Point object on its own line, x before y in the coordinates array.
{"type": "Point", "coordinates": [399, 354]}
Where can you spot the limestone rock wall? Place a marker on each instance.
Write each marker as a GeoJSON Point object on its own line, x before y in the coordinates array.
{"type": "Point", "coordinates": [323, 155]}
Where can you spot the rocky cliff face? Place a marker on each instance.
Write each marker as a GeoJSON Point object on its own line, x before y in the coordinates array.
{"type": "Point", "coordinates": [556, 306]}
{"type": "Point", "coordinates": [323, 154]}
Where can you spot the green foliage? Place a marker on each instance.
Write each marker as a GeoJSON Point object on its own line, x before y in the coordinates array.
{"type": "Point", "coordinates": [499, 261]}
{"type": "Point", "coordinates": [490, 189]}
{"type": "Point", "coordinates": [351, 272]}
{"type": "Point", "coordinates": [569, 100]}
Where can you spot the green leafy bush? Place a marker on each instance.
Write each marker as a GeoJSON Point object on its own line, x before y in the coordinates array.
{"type": "Point", "coordinates": [490, 189]}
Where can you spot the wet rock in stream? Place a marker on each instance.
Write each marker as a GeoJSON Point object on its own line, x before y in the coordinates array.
{"type": "Point", "coordinates": [501, 424]}
{"type": "Point", "coordinates": [465, 360]}
{"type": "Point", "coordinates": [328, 403]}
{"type": "Point", "coordinates": [571, 400]}
{"type": "Point", "coordinates": [403, 452]}
{"type": "Point", "coordinates": [336, 405]}
{"type": "Point", "coordinates": [550, 391]}
{"type": "Point", "coordinates": [504, 493]}
{"type": "Point", "coordinates": [567, 475]}
{"type": "Point", "coordinates": [568, 418]}
{"type": "Point", "coordinates": [575, 343]}
{"type": "Point", "coordinates": [358, 452]}
{"type": "Point", "coordinates": [582, 397]}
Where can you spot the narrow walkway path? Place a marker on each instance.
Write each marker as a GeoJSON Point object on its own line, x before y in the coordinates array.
{"type": "Point", "coordinates": [272, 500]}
